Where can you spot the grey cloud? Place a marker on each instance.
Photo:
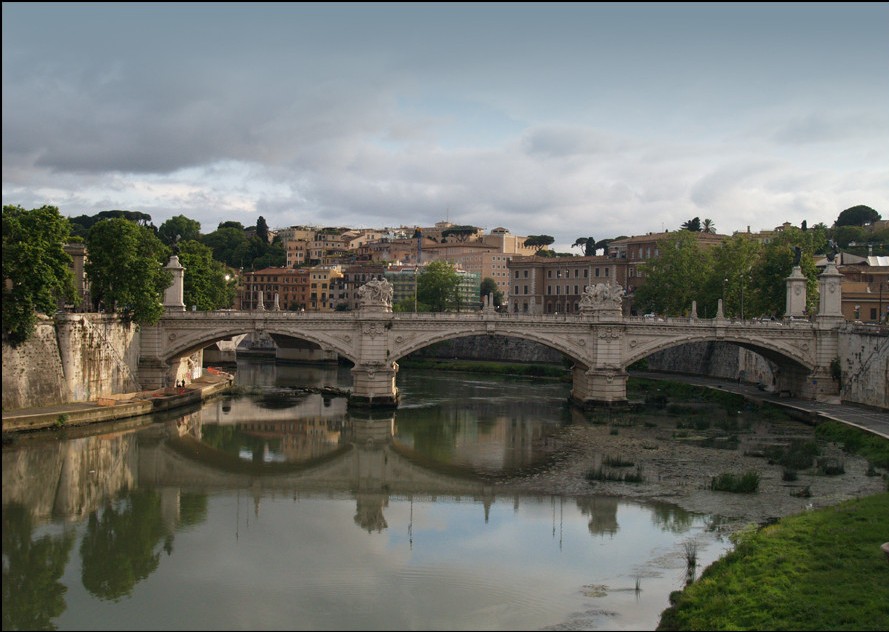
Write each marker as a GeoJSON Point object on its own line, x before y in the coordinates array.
{"type": "Point", "coordinates": [831, 128]}
{"type": "Point", "coordinates": [567, 141]}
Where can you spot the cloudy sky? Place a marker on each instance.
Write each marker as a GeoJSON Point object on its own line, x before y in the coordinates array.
{"type": "Point", "coordinates": [562, 119]}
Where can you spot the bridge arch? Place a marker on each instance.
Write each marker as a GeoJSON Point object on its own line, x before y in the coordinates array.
{"type": "Point", "coordinates": [180, 346]}
{"type": "Point", "coordinates": [781, 353]}
{"type": "Point", "coordinates": [558, 344]}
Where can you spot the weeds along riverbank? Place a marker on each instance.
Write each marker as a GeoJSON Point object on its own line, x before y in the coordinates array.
{"type": "Point", "coordinates": [819, 570]}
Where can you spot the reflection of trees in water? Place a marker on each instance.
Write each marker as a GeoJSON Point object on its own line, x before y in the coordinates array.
{"type": "Point", "coordinates": [602, 512]}
{"type": "Point", "coordinates": [121, 544]}
{"type": "Point", "coordinates": [192, 509]}
{"type": "Point", "coordinates": [671, 518]}
{"type": "Point", "coordinates": [32, 593]}
{"type": "Point", "coordinates": [369, 512]}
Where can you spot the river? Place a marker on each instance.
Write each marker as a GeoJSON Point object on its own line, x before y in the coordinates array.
{"type": "Point", "coordinates": [279, 508]}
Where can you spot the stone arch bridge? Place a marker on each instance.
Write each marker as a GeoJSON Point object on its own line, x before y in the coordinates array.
{"type": "Point", "coordinates": [600, 349]}
{"type": "Point", "coordinates": [600, 342]}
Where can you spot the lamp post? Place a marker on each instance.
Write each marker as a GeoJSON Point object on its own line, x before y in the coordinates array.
{"type": "Point", "coordinates": [880, 316]}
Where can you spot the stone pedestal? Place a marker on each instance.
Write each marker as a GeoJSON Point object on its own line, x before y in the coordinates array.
{"type": "Point", "coordinates": [599, 387]}
{"type": "Point", "coordinates": [374, 386]}
{"type": "Point", "coordinates": [173, 295]}
{"type": "Point", "coordinates": [796, 294]}
{"type": "Point", "coordinates": [830, 299]}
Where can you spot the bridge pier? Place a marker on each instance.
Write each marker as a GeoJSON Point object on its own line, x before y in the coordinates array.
{"type": "Point", "coordinates": [373, 385]}
{"type": "Point", "coordinates": [592, 388]}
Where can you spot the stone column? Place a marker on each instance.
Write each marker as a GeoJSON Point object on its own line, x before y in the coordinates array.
{"type": "Point", "coordinates": [173, 295]}
{"type": "Point", "coordinates": [830, 300]}
{"type": "Point", "coordinates": [796, 294]}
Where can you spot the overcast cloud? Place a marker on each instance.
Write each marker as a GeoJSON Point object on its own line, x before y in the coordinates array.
{"type": "Point", "coordinates": [562, 119]}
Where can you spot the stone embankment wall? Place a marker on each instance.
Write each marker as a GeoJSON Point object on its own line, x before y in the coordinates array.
{"type": "Point", "coordinates": [865, 366]}
{"type": "Point", "coordinates": [71, 358]}
{"type": "Point", "coordinates": [493, 348]}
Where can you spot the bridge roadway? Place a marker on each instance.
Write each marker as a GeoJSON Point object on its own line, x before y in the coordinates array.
{"type": "Point", "coordinates": [601, 344]}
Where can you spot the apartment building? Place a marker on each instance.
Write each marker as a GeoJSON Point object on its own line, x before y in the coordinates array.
{"type": "Point", "coordinates": [555, 285]}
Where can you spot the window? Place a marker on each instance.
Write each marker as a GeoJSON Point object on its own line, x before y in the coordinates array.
{"type": "Point", "coordinates": [576, 272]}
{"type": "Point", "coordinates": [606, 271]}
{"type": "Point", "coordinates": [517, 289]}
{"type": "Point", "coordinates": [526, 289]}
{"type": "Point", "coordinates": [549, 274]}
{"type": "Point", "coordinates": [597, 271]}
{"type": "Point", "coordinates": [526, 274]}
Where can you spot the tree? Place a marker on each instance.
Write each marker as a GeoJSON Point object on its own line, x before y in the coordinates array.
{"type": "Point", "coordinates": [36, 269]}
{"type": "Point", "coordinates": [262, 229]}
{"type": "Point", "coordinates": [461, 233]}
{"type": "Point", "coordinates": [205, 283]}
{"type": "Point", "coordinates": [126, 269]}
{"type": "Point", "coordinates": [186, 229]}
{"type": "Point", "coordinates": [538, 242]}
{"type": "Point", "coordinates": [694, 225]}
{"type": "Point", "coordinates": [588, 244]}
{"type": "Point", "coordinates": [675, 278]}
{"type": "Point", "coordinates": [230, 245]}
{"type": "Point", "coordinates": [731, 279]}
{"type": "Point", "coordinates": [708, 227]}
{"type": "Point", "coordinates": [489, 286]}
{"type": "Point", "coordinates": [857, 216]}
{"type": "Point", "coordinates": [265, 255]}
{"type": "Point", "coordinates": [231, 224]}
{"type": "Point", "coordinates": [775, 265]}
{"type": "Point", "coordinates": [437, 286]}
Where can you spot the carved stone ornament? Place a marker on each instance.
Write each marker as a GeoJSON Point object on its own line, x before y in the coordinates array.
{"type": "Point", "coordinates": [602, 296]}
{"type": "Point", "coordinates": [372, 329]}
{"type": "Point", "coordinates": [376, 292]}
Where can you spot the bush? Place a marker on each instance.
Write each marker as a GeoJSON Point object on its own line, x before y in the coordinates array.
{"type": "Point", "coordinates": [746, 483]}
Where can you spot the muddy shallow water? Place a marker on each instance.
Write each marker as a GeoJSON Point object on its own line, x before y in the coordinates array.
{"type": "Point", "coordinates": [678, 454]}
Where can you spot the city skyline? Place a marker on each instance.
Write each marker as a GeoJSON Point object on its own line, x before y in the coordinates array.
{"type": "Point", "coordinates": [569, 120]}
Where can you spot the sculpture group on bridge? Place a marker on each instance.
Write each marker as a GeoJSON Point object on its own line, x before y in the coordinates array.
{"type": "Point", "coordinates": [602, 296]}
{"type": "Point", "coordinates": [374, 293]}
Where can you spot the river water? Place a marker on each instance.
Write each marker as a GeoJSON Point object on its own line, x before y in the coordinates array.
{"type": "Point", "coordinates": [279, 509]}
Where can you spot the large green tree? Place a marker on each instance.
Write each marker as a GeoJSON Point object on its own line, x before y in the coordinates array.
{"type": "Point", "coordinates": [538, 242]}
{"type": "Point", "coordinates": [857, 216]}
{"type": "Point", "coordinates": [208, 284]}
{"type": "Point", "coordinates": [36, 270]}
{"type": "Point", "coordinates": [731, 278]}
{"type": "Point", "coordinates": [437, 286]}
{"type": "Point", "coordinates": [769, 274]}
{"type": "Point", "coordinates": [459, 233]}
{"type": "Point", "coordinates": [230, 245]}
{"type": "Point", "coordinates": [588, 244]}
{"type": "Point", "coordinates": [181, 227]}
{"type": "Point", "coordinates": [693, 225]}
{"type": "Point", "coordinates": [126, 269]}
{"type": "Point", "coordinates": [674, 279]}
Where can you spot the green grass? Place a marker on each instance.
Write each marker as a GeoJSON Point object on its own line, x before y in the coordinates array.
{"type": "Point", "coordinates": [875, 449]}
{"type": "Point", "coordinates": [819, 570]}
{"type": "Point", "coordinates": [746, 483]}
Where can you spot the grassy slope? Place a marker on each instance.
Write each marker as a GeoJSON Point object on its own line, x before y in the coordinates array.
{"type": "Point", "coordinates": [821, 570]}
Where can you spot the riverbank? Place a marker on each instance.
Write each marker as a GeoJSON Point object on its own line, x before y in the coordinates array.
{"type": "Point", "coordinates": [117, 407]}
{"type": "Point", "coordinates": [821, 570]}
